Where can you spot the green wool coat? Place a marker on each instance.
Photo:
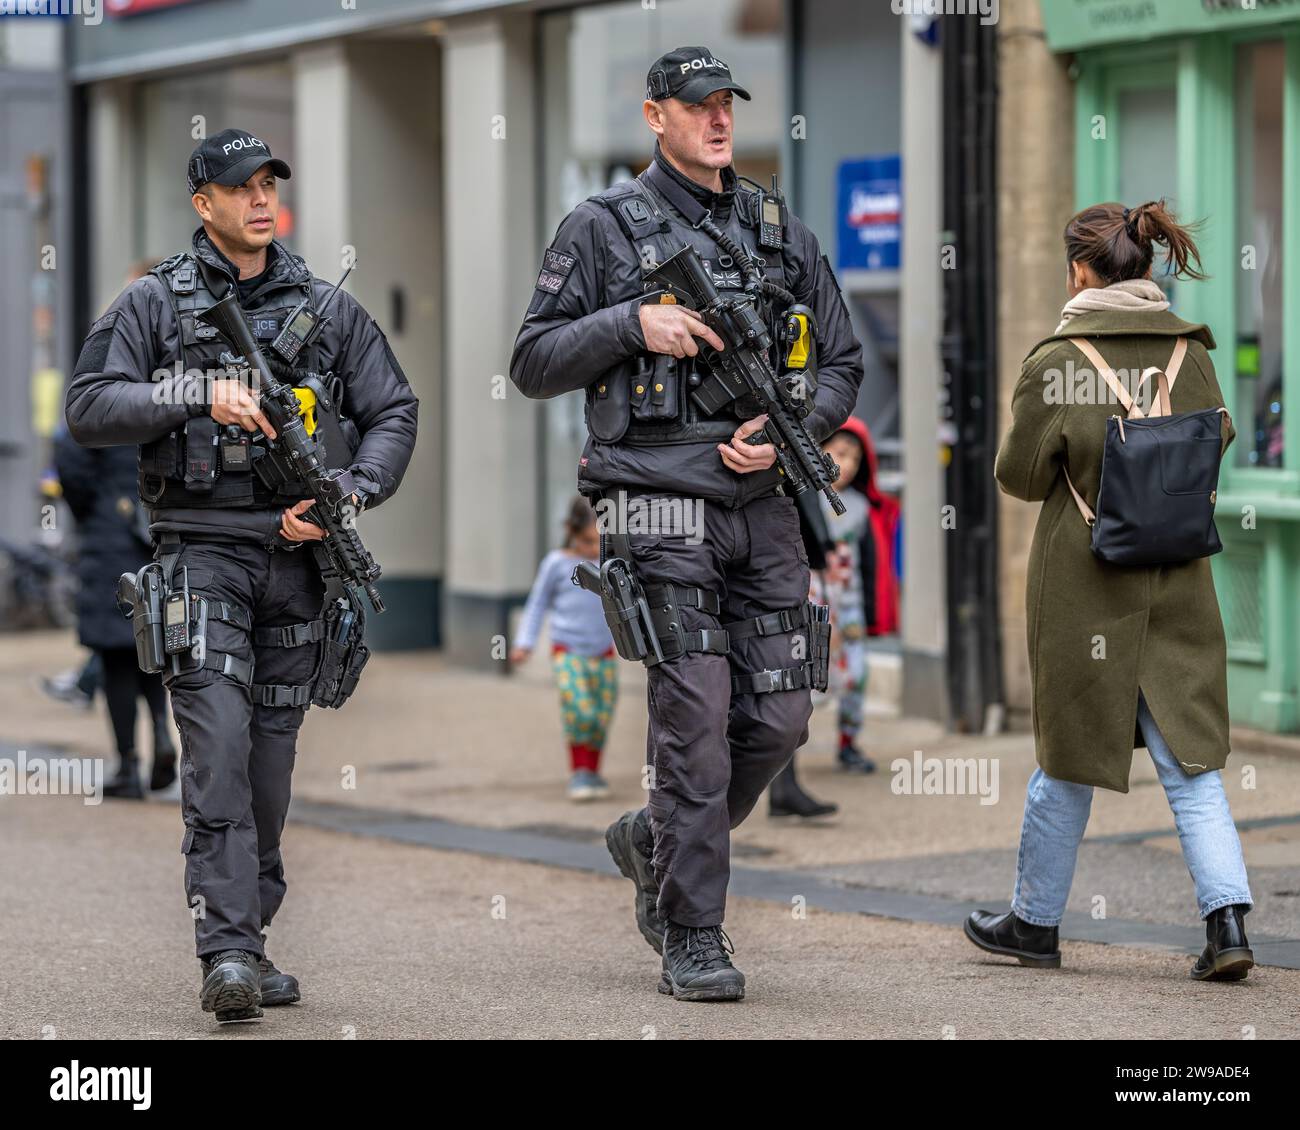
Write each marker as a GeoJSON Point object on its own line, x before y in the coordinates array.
{"type": "Point", "coordinates": [1099, 632]}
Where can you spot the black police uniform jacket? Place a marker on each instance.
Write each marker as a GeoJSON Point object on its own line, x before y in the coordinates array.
{"type": "Point", "coordinates": [583, 326]}
{"type": "Point", "coordinates": [114, 397]}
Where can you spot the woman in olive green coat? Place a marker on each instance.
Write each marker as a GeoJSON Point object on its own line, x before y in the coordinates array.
{"type": "Point", "coordinates": [1114, 650]}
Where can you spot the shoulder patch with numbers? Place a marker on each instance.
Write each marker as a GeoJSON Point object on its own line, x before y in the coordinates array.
{"type": "Point", "coordinates": [556, 268]}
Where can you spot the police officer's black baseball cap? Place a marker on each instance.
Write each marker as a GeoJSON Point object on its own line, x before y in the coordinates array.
{"type": "Point", "coordinates": [691, 74]}
{"type": "Point", "coordinates": [230, 158]}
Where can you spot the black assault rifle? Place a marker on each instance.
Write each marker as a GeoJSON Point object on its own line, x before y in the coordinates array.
{"type": "Point", "coordinates": [331, 489]}
{"type": "Point", "coordinates": [744, 368]}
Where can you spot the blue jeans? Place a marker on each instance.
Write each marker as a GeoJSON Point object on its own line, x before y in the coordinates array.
{"type": "Point", "coordinates": [1056, 814]}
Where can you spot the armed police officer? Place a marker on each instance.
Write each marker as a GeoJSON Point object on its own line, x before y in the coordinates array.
{"type": "Point", "coordinates": [721, 620]}
{"type": "Point", "coordinates": [239, 559]}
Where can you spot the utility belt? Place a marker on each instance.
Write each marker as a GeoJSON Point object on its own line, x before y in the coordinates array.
{"type": "Point", "coordinates": [170, 624]}
{"type": "Point", "coordinates": [645, 621]}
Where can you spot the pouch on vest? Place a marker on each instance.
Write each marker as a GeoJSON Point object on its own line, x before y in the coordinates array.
{"type": "Point", "coordinates": [201, 454]}
{"type": "Point", "coordinates": [608, 403]}
{"type": "Point", "coordinates": [162, 457]}
{"type": "Point", "coordinates": [655, 387]}
{"type": "Point", "coordinates": [1159, 474]}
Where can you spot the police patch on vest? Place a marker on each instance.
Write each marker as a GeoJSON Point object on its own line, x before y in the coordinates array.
{"type": "Point", "coordinates": [264, 329]}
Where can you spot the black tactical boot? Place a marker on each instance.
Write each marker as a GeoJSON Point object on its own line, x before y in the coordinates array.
{"type": "Point", "coordinates": [697, 965]}
{"type": "Point", "coordinates": [125, 784]}
{"type": "Point", "coordinates": [277, 988]}
{"type": "Point", "coordinates": [1005, 934]}
{"type": "Point", "coordinates": [1227, 955]}
{"type": "Point", "coordinates": [632, 847]}
{"type": "Point", "coordinates": [231, 986]}
{"type": "Point", "coordinates": [786, 798]}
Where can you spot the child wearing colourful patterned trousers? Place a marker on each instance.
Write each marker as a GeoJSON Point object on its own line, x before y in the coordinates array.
{"type": "Point", "coordinates": [582, 649]}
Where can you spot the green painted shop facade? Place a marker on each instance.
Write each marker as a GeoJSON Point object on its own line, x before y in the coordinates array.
{"type": "Point", "coordinates": [1199, 101]}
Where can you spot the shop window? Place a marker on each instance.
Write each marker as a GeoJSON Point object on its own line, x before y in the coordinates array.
{"type": "Point", "coordinates": [1260, 71]}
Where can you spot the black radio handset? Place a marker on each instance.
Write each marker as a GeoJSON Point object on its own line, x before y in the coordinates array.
{"type": "Point", "coordinates": [304, 325]}
{"type": "Point", "coordinates": [771, 218]}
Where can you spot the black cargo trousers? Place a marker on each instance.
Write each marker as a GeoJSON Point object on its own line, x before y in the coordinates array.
{"type": "Point", "coordinates": [710, 752]}
{"type": "Point", "coordinates": [237, 755]}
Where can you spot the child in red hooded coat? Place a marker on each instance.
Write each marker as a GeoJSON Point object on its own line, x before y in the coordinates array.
{"type": "Point", "coordinates": [858, 582]}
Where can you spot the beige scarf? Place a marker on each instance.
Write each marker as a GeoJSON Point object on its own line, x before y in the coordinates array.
{"type": "Point", "coordinates": [1132, 294]}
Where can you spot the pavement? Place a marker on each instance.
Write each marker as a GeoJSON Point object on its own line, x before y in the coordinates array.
{"type": "Point", "coordinates": [442, 885]}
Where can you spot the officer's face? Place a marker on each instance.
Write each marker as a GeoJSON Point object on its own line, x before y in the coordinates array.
{"type": "Point", "coordinates": [242, 216]}
{"type": "Point", "coordinates": [699, 132]}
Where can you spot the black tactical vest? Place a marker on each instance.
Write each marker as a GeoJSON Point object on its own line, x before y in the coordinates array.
{"type": "Point", "coordinates": [207, 465]}
{"type": "Point", "coordinates": [646, 400]}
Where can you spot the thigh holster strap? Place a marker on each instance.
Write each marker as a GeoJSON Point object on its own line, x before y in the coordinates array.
{"type": "Point", "coordinates": [814, 672]}
{"type": "Point", "coordinates": [664, 601]}
{"type": "Point", "coordinates": [280, 694]}
{"type": "Point", "coordinates": [230, 614]}
{"type": "Point", "coordinates": [239, 669]}
{"type": "Point", "coordinates": [770, 624]}
{"type": "Point", "coordinates": [290, 635]}
{"type": "Point", "coordinates": [782, 679]}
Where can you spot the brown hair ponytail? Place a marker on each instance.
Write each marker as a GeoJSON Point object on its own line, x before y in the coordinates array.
{"type": "Point", "coordinates": [1118, 243]}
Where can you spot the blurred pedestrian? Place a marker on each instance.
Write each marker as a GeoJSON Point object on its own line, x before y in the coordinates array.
{"type": "Point", "coordinates": [77, 685]}
{"type": "Point", "coordinates": [1115, 648]}
{"type": "Point", "coordinates": [582, 649]}
{"type": "Point", "coordinates": [99, 485]}
{"type": "Point", "coordinates": [841, 586]}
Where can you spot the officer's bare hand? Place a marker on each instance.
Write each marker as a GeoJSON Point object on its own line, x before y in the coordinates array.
{"type": "Point", "coordinates": [742, 457]}
{"type": "Point", "coordinates": [233, 403]}
{"type": "Point", "coordinates": [293, 528]}
{"type": "Point", "coordinates": [672, 328]}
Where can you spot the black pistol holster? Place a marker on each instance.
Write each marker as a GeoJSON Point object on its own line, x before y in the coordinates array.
{"type": "Point", "coordinates": [171, 623]}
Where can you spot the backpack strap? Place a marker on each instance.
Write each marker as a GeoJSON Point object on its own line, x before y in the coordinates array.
{"type": "Point", "coordinates": [1084, 508]}
{"type": "Point", "coordinates": [1164, 378]}
{"type": "Point", "coordinates": [1164, 384]}
{"type": "Point", "coordinates": [1095, 359]}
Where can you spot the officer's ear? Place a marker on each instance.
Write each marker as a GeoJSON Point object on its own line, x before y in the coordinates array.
{"type": "Point", "coordinates": [654, 115]}
{"type": "Point", "coordinates": [202, 201]}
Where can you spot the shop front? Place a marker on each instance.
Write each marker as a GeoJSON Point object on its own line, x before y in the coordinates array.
{"type": "Point", "coordinates": [1199, 102]}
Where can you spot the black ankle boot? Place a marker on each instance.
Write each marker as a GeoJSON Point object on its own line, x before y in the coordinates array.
{"type": "Point", "coordinates": [125, 784]}
{"type": "Point", "coordinates": [786, 798]}
{"type": "Point", "coordinates": [1227, 955]}
{"type": "Point", "coordinates": [231, 986]}
{"type": "Point", "coordinates": [1009, 936]}
{"type": "Point", "coordinates": [697, 965]}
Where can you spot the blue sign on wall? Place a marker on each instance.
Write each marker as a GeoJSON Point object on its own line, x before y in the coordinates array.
{"type": "Point", "coordinates": [870, 213]}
